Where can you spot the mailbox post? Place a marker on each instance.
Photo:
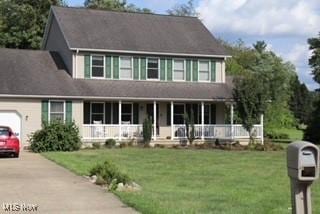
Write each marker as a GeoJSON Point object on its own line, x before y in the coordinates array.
{"type": "Point", "coordinates": [303, 169]}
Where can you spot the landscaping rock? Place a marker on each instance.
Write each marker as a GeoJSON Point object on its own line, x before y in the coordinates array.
{"type": "Point", "coordinates": [120, 187]}
{"type": "Point", "coordinates": [93, 179]}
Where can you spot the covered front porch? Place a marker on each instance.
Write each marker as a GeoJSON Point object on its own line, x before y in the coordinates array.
{"type": "Point", "coordinates": [122, 120]}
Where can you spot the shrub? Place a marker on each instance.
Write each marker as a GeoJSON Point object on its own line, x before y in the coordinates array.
{"type": "Point", "coordinates": [147, 130]}
{"type": "Point", "coordinates": [96, 145]}
{"type": "Point", "coordinates": [271, 134]}
{"type": "Point", "coordinates": [267, 146]}
{"type": "Point", "coordinates": [56, 136]}
{"type": "Point", "coordinates": [110, 143]}
{"type": "Point", "coordinates": [109, 172]}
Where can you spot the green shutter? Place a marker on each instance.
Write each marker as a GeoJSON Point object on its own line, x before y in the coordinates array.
{"type": "Point", "coordinates": [45, 111]}
{"type": "Point", "coordinates": [108, 67]}
{"type": "Point", "coordinates": [86, 113]}
{"type": "Point", "coordinates": [213, 114]}
{"type": "Point", "coordinates": [213, 71]}
{"type": "Point", "coordinates": [162, 69]}
{"type": "Point", "coordinates": [135, 68]}
{"type": "Point", "coordinates": [87, 66]}
{"type": "Point", "coordinates": [68, 111]}
{"type": "Point", "coordinates": [115, 67]}
{"type": "Point", "coordinates": [169, 69]}
{"type": "Point", "coordinates": [169, 114]}
{"type": "Point", "coordinates": [135, 113]}
{"type": "Point", "coordinates": [143, 68]}
{"type": "Point", "coordinates": [188, 68]}
{"type": "Point", "coordinates": [195, 70]}
{"type": "Point", "coordinates": [107, 118]}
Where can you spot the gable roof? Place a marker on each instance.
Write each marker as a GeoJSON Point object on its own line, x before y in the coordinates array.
{"type": "Point", "coordinates": [30, 73]}
{"type": "Point", "coordinates": [122, 31]}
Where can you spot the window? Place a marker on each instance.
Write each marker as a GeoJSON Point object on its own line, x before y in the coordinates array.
{"type": "Point", "coordinates": [56, 111]}
{"type": "Point", "coordinates": [207, 114]}
{"type": "Point", "coordinates": [4, 131]}
{"type": "Point", "coordinates": [126, 113]}
{"type": "Point", "coordinates": [97, 113]}
{"type": "Point", "coordinates": [153, 68]}
{"type": "Point", "coordinates": [204, 71]}
{"type": "Point", "coordinates": [178, 114]}
{"type": "Point", "coordinates": [125, 68]}
{"type": "Point", "coordinates": [178, 70]}
{"type": "Point", "coordinates": [97, 66]}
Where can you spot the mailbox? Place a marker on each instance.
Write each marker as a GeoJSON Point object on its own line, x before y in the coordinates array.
{"type": "Point", "coordinates": [303, 168]}
{"type": "Point", "coordinates": [303, 161]}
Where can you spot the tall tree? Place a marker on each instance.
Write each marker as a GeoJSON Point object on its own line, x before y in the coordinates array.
{"type": "Point", "coordinates": [301, 101]}
{"type": "Point", "coordinates": [116, 5]}
{"type": "Point", "coordinates": [312, 132]}
{"type": "Point", "coordinates": [22, 22]}
{"type": "Point", "coordinates": [252, 99]}
{"type": "Point", "coordinates": [187, 9]}
{"type": "Point", "coordinates": [314, 61]}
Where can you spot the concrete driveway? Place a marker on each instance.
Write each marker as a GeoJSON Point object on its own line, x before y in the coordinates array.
{"type": "Point", "coordinates": [32, 182]}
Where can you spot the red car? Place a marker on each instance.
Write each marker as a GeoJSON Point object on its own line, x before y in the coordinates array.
{"type": "Point", "coordinates": [9, 143]}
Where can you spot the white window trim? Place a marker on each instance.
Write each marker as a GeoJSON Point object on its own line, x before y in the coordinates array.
{"type": "Point", "coordinates": [184, 69]}
{"type": "Point", "coordinates": [131, 58]}
{"type": "Point", "coordinates": [104, 66]}
{"type": "Point", "coordinates": [209, 72]}
{"type": "Point", "coordinates": [153, 79]}
{"type": "Point", "coordinates": [104, 113]}
{"type": "Point", "coordinates": [64, 109]}
{"type": "Point", "coordinates": [131, 103]}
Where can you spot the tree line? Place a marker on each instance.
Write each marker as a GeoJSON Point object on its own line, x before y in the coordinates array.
{"type": "Point", "coordinates": [264, 82]}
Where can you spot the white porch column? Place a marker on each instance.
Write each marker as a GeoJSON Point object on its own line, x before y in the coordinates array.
{"type": "Point", "coordinates": [261, 124]}
{"type": "Point", "coordinates": [154, 120]}
{"type": "Point", "coordinates": [202, 120]}
{"type": "Point", "coordinates": [120, 113]}
{"type": "Point", "coordinates": [231, 121]}
{"type": "Point", "coordinates": [171, 120]}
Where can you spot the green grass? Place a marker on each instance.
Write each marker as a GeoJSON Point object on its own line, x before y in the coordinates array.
{"type": "Point", "coordinates": [294, 134]}
{"type": "Point", "coordinates": [196, 181]}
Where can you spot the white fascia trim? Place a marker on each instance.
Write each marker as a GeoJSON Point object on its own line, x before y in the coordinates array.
{"type": "Point", "coordinates": [109, 98]}
{"type": "Point", "coordinates": [152, 53]}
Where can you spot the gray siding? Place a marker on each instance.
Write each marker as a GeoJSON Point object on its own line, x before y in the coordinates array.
{"type": "Point", "coordinates": [56, 42]}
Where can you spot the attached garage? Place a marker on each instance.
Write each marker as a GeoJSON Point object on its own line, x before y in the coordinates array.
{"type": "Point", "coordinates": [13, 120]}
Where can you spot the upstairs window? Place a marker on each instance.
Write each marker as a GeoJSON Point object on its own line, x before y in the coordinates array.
{"type": "Point", "coordinates": [153, 68]}
{"type": "Point", "coordinates": [204, 71]}
{"type": "Point", "coordinates": [97, 66]}
{"type": "Point", "coordinates": [178, 70]}
{"type": "Point", "coordinates": [125, 68]}
{"type": "Point", "coordinates": [56, 111]}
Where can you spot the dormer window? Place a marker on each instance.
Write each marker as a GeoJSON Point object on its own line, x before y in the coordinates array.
{"type": "Point", "coordinates": [97, 66]}
{"type": "Point", "coordinates": [125, 68]}
{"type": "Point", "coordinates": [153, 68]}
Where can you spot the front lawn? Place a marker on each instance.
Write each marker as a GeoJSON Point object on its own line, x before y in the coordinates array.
{"type": "Point", "coordinates": [196, 181]}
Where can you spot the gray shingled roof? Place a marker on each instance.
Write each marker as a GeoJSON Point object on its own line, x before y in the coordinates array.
{"type": "Point", "coordinates": [98, 29]}
{"type": "Point", "coordinates": [29, 72]}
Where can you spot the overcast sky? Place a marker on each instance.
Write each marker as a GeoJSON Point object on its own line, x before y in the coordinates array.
{"type": "Point", "coordinates": [285, 25]}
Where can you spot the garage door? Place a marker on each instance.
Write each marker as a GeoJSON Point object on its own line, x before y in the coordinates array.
{"type": "Point", "coordinates": [13, 120]}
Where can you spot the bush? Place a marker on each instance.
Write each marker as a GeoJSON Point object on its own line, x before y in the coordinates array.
{"type": "Point", "coordinates": [147, 130]}
{"type": "Point", "coordinates": [109, 172]}
{"type": "Point", "coordinates": [267, 146]}
{"type": "Point", "coordinates": [96, 145]}
{"type": "Point", "coordinates": [56, 136]}
{"type": "Point", "coordinates": [271, 134]}
{"type": "Point", "coordinates": [110, 143]}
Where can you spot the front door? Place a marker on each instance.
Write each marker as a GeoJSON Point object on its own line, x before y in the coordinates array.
{"type": "Point", "coordinates": [150, 115]}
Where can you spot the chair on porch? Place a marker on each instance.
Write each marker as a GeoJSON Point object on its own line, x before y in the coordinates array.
{"type": "Point", "coordinates": [98, 130]}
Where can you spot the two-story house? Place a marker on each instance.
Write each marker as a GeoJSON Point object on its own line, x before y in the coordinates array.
{"type": "Point", "coordinates": [108, 71]}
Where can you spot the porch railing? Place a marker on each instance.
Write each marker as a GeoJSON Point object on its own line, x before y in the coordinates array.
{"type": "Point", "coordinates": [221, 131]}
{"type": "Point", "coordinates": [102, 131]}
